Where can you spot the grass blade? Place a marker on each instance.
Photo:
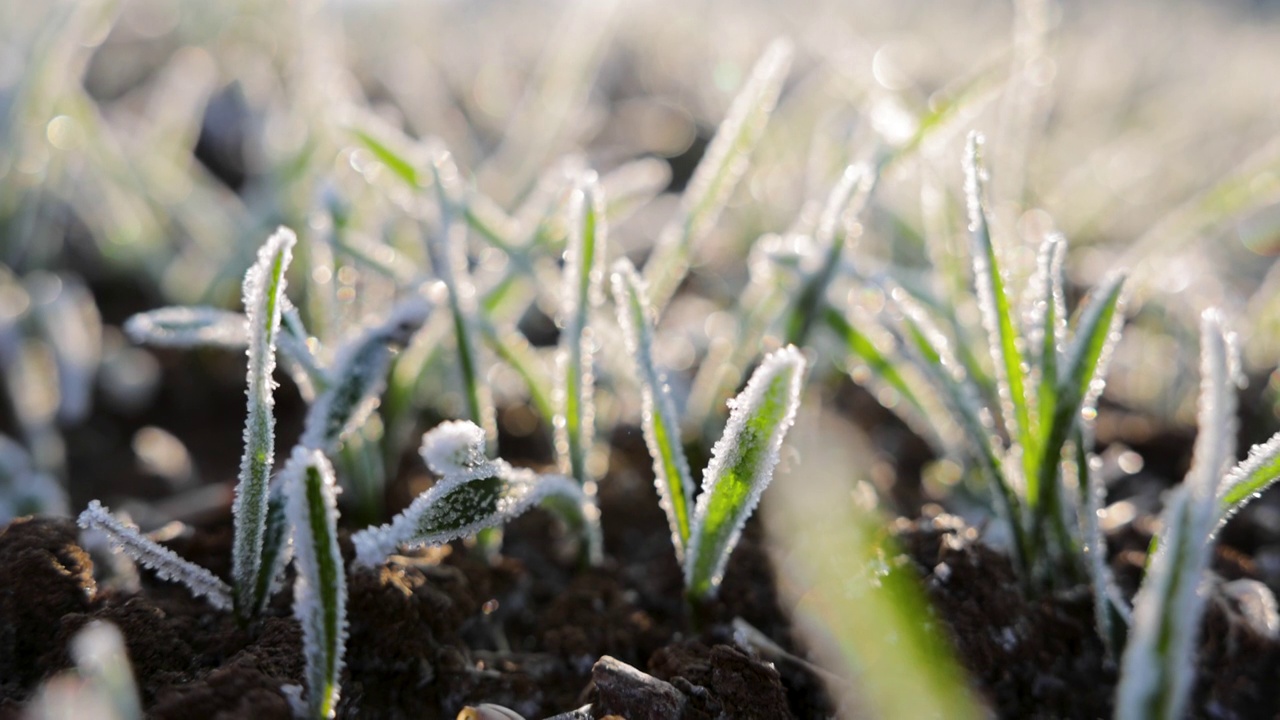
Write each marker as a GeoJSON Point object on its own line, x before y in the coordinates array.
{"type": "Point", "coordinates": [320, 589]}
{"type": "Point", "coordinates": [1157, 671]}
{"type": "Point", "coordinates": [186, 327]}
{"type": "Point", "coordinates": [998, 318]}
{"type": "Point", "coordinates": [474, 493]}
{"type": "Point", "coordinates": [718, 173]}
{"type": "Point", "coordinates": [583, 276]}
{"type": "Point", "coordinates": [447, 250]}
{"type": "Point", "coordinates": [859, 345]}
{"type": "Point", "coordinates": [359, 374]}
{"type": "Point", "coordinates": [1247, 480]}
{"type": "Point", "coordinates": [661, 426]}
{"type": "Point", "coordinates": [264, 285]}
{"type": "Point", "coordinates": [742, 464]}
{"type": "Point", "coordinates": [166, 564]}
{"type": "Point", "coordinates": [1047, 327]}
{"type": "Point", "coordinates": [835, 230]}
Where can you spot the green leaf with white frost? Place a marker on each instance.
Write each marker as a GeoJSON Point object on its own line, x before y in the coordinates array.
{"type": "Point", "coordinates": [839, 217]}
{"type": "Point", "coordinates": [166, 564]}
{"type": "Point", "coordinates": [1247, 480]}
{"type": "Point", "coordinates": [473, 493]}
{"type": "Point", "coordinates": [717, 174]}
{"type": "Point", "coordinates": [583, 276]}
{"type": "Point", "coordinates": [1157, 671]}
{"type": "Point", "coordinates": [742, 464]}
{"type": "Point", "coordinates": [998, 318]}
{"type": "Point", "coordinates": [185, 327]}
{"type": "Point", "coordinates": [1047, 326]}
{"type": "Point", "coordinates": [264, 286]}
{"type": "Point", "coordinates": [359, 374]}
{"type": "Point", "coordinates": [671, 473]}
{"type": "Point", "coordinates": [320, 588]}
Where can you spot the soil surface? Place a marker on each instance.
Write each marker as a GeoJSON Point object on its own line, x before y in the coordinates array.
{"type": "Point", "coordinates": [437, 630]}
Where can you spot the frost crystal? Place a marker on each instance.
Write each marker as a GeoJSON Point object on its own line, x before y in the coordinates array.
{"type": "Point", "coordinates": [456, 450]}
{"type": "Point", "coordinates": [166, 564]}
{"type": "Point", "coordinates": [742, 464]}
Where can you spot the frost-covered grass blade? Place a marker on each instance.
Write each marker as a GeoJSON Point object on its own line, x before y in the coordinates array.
{"type": "Point", "coordinates": [583, 276]}
{"type": "Point", "coordinates": [186, 327]}
{"type": "Point", "coordinates": [264, 285]}
{"type": "Point", "coordinates": [742, 464]}
{"type": "Point", "coordinates": [320, 589]}
{"type": "Point", "coordinates": [661, 427]}
{"type": "Point", "coordinates": [447, 249]}
{"type": "Point", "coordinates": [1157, 670]}
{"type": "Point", "coordinates": [839, 216]}
{"type": "Point", "coordinates": [359, 374]}
{"type": "Point", "coordinates": [998, 318]}
{"type": "Point", "coordinates": [1247, 480]}
{"type": "Point", "coordinates": [167, 564]}
{"type": "Point", "coordinates": [718, 172]}
{"type": "Point", "coordinates": [859, 345]}
{"type": "Point", "coordinates": [473, 493]}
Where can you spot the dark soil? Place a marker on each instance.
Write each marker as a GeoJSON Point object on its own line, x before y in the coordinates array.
{"type": "Point", "coordinates": [440, 629]}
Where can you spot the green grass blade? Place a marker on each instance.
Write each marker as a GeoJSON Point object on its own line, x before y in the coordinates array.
{"type": "Point", "coordinates": [514, 349]}
{"type": "Point", "coordinates": [447, 251]}
{"type": "Point", "coordinates": [866, 621]}
{"type": "Point", "coordinates": [742, 464]}
{"type": "Point", "coordinates": [717, 174]}
{"type": "Point", "coordinates": [320, 589]}
{"type": "Point", "coordinates": [583, 277]}
{"type": "Point", "coordinates": [473, 493]}
{"type": "Point", "coordinates": [1247, 480]}
{"type": "Point", "coordinates": [264, 286]}
{"type": "Point", "coordinates": [661, 426]}
{"type": "Point", "coordinates": [861, 346]}
{"type": "Point", "coordinates": [835, 229]}
{"type": "Point", "coordinates": [1157, 670]}
{"type": "Point", "coordinates": [998, 318]}
{"type": "Point", "coordinates": [1047, 327]}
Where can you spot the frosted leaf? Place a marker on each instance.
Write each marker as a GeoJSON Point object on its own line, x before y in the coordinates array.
{"type": "Point", "coordinates": [456, 450]}
{"type": "Point", "coordinates": [455, 508]}
{"type": "Point", "coordinates": [188, 327]}
{"type": "Point", "coordinates": [1157, 671]}
{"type": "Point", "coordinates": [1247, 480]}
{"type": "Point", "coordinates": [583, 277]}
{"type": "Point", "coordinates": [320, 588]}
{"type": "Point", "coordinates": [1000, 323]}
{"type": "Point", "coordinates": [722, 166]}
{"type": "Point", "coordinates": [661, 425]}
{"type": "Point", "coordinates": [359, 375]}
{"type": "Point", "coordinates": [166, 564]}
{"type": "Point", "coordinates": [742, 464]}
{"type": "Point", "coordinates": [835, 230]}
{"type": "Point", "coordinates": [264, 286]}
